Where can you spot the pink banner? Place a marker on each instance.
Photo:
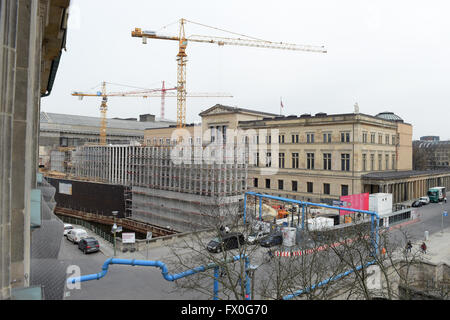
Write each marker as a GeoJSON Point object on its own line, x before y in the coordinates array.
{"type": "Point", "coordinates": [355, 201]}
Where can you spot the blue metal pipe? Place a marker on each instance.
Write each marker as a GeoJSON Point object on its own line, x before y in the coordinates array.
{"type": "Point", "coordinates": [260, 208]}
{"type": "Point", "coordinates": [324, 282]}
{"type": "Point", "coordinates": [144, 263]}
{"type": "Point", "coordinates": [216, 283]}
{"type": "Point", "coordinates": [245, 206]}
{"type": "Point", "coordinates": [310, 203]}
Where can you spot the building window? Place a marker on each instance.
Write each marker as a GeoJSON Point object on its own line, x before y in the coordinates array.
{"type": "Point", "coordinates": [344, 190]}
{"type": "Point", "coordinates": [327, 138]}
{"type": "Point", "coordinates": [255, 182]}
{"type": "Point", "coordinates": [387, 161]}
{"type": "Point", "coordinates": [380, 167]}
{"type": "Point", "coordinates": [364, 140]}
{"type": "Point", "coordinates": [372, 162]}
{"type": "Point", "coordinates": [327, 161]}
{"type": "Point", "coordinates": [213, 134]}
{"type": "Point", "coordinates": [372, 138]}
{"type": "Point", "coordinates": [280, 184]}
{"type": "Point", "coordinates": [380, 138]}
{"type": "Point", "coordinates": [295, 160]}
{"type": "Point", "coordinates": [267, 183]}
{"type": "Point", "coordinates": [387, 139]}
{"type": "Point", "coordinates": [268, 159]}
{"type": "Point", "coordinates": [281, 138]}
{"type": "Point", "coordinates": [295, 138]}
{"type": "Point", "coordinates": [310, 138]}
{"type": "Point", "coordinates": [345, 136]}
{"type": "Point", "coordinates": [393, 162]}
{"type": "Point", "coordinates": [345, 162]}
{"type": "Point", "coordinates": [257, 159]}
{"type": "Point", "coordinates": [268, 139]}
{"type": "Point", "coordinates": [294, 186]}
{"type": "Point", "coordinates": [393, 139]}
{"type": "Point", "coordinates": [309, 187]}
{"type": "Point", "coordinates": [364, 162]}
{"type": "Point", "coordinates": [168, 142]}
{"type": "Point", "coordinates": [310, 161]}
{"type": "Point", "coordinates": [281, 160]}
{"type": "Point", "coordinates": [326, 188]}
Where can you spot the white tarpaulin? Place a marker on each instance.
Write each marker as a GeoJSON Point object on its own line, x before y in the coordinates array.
{"type": "Point", "coordinates": [65, 188]}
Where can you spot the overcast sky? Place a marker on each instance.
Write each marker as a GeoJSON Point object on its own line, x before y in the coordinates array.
{"type": "Point", "coordinates": [384, 55]}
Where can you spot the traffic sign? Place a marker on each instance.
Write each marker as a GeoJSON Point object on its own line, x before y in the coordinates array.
{"type": "Point", "coordinates": [445, 214]}
{"type": "Point", "coordinates": [149, 235]}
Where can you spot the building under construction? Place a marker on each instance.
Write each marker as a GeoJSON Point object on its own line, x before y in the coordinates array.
{"type": "Point", "coordinates": [184, 193]}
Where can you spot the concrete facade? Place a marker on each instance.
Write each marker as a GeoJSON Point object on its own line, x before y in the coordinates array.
{"type": "Point", "coordinates": [32, 34]}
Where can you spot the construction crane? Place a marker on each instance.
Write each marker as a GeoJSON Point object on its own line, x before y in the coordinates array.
{"type": "Point", "coordinates": [221, 41]}
{"type": "Point", "coordinates": [147, 93]}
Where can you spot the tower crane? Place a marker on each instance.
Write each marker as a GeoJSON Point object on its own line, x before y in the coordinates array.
{"type": "Point", "coordinates": [221, 41]}
{"type": "Point", "coordinates": [148, 93]}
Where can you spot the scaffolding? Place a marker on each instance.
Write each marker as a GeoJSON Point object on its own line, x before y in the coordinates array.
{"type": "Point", "coordinates": [168, 186]}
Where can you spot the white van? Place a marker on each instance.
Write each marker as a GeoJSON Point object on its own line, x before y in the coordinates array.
{"type": "Point", "coordinates": [75, 235]}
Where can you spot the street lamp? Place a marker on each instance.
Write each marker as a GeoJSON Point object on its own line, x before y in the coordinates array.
{"type": "Point", "coordinates": [114, 229]}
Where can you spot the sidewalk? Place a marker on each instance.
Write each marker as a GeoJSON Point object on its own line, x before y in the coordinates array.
{"type": "Point", "coordinates": [438, 247]}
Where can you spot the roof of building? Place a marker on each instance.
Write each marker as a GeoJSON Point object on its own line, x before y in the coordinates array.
{"type": "Point", "coordinates": [236, 110]}
{"type": "Point", "coordinates": [431, 144]}
{"type": "Point", "coordinates": [387, 115]}
{"type": "Point", "coordinates": [47, 120]}
{"type": "Point", "coordinates": [390, 175]}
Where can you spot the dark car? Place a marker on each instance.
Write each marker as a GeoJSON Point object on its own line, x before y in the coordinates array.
{"type": "Point", "coordinates": [272, 240]}
{"type": "Point", "coordinates": [417, 203]}
{"type": "Point", "coordinates": [89, 244]}
{"type": "Point", "coordinates": [226, 242]}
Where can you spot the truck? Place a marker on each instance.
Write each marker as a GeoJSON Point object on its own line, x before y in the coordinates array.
{"type": "Point", "coordinates": [436, 194]}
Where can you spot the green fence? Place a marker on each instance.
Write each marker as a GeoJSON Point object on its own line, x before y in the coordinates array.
{"type": "Point", "coordinates": [107, 235]}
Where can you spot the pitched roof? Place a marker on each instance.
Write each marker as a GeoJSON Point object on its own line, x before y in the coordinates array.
{"type": "Point", "coordinates": [236, 110]}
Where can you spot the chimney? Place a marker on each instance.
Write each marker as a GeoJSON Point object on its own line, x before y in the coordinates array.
{"type": "Point", "coordinates": [147, 117]}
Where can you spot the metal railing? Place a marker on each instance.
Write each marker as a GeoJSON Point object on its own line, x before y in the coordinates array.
{"type": "Point", "coordinates": [97, 230]}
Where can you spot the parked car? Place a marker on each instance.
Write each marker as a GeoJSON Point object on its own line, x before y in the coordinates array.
{"type": "Point", "coordinates": [424, 200]}
{"type": "Point", "coordinates": [67, 227]}
{"type": "Point", "coordinates": [226, 242]}
{"type": "Point", "coordinates": [271, 240]}
{"type": "Point", "coordinates": [417, 204]}
{"type": "Point", "coordinates": [89, 244]}
{"type": "Point", "coordinates": [75, 235]}
{"type": "Point", "coordinates": [254, 237]}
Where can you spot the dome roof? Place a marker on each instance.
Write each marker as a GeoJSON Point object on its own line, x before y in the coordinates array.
{"type": "Point", "coordinates": [389, 116]}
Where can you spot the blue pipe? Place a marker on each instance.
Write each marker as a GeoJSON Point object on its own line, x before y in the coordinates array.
{"type": "Point", "coordinates": [145, 263]}
{"type": "Point", "coordinates": [245, 206]}
{"type": "Point", "coordinates": [310, 203]}
{"type": "Point", "coordinates": [324, 282]}
{"type": "Point", "coordinates": [260, 208]}
{"type": "Point", "coordinates": [216, 283]}
{"type": "Point", "coordinates": [164, 271]}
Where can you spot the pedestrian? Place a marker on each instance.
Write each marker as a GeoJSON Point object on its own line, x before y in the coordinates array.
{"type": "Point", "coordinates": [423, 247]}
{"type": "Point", "coordinates": [445, 199]}
{"type": "Point", "coordinates": [409, 246]}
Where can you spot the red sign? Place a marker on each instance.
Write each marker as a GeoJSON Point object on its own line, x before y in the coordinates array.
{"type": "Point", "coordinates": [355, 201]}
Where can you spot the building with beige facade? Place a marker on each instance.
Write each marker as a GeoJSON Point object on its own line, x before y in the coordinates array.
{"type": "Point", "coordinates": [316, 157]}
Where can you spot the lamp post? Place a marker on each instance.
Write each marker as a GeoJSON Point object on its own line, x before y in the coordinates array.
{"type": "Point", "coordinates": [114, 229]}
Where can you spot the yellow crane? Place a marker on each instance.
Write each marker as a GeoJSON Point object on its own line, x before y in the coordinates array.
{"type": "Point", "coordinates": [182, 56]}
{"type": "Point", "coordinates": [147, 93]}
